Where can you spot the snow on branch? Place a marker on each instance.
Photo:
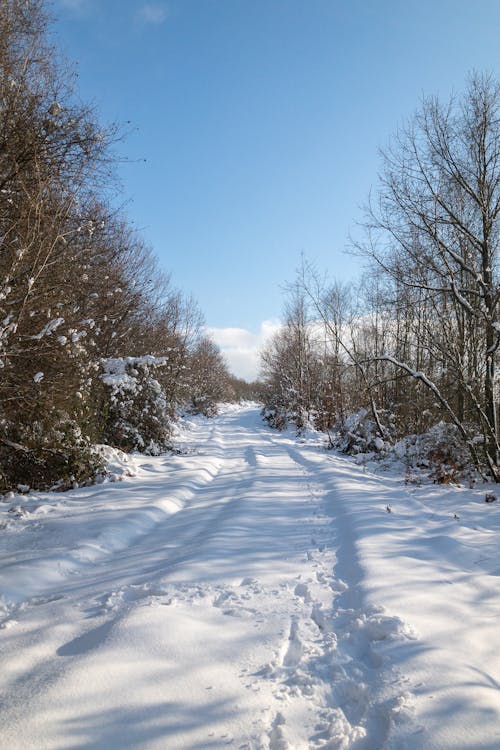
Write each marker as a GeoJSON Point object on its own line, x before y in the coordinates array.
{"type": "Point", "coordinates": [48, 329]}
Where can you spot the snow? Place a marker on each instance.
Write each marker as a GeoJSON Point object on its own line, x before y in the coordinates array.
{"type": "Point", "coordinates": [252, 592]}
{"type": "Point", "coordinates": [119, 372]}
{"type": "Point", "coordinates": [48, 329]}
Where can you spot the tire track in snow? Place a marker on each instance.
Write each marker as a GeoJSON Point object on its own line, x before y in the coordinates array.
{"type": "Point", "coordinates": [38, 576]}
{"type": "Point", "coordinates": [249, 560]}
{"type": "Point", "coordinates": [339, 663]}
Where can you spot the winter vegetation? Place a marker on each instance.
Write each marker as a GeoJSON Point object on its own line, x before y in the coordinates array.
{"type": "Point", "coordinates": [96, 345]}
{"type": "Point", "coordinates": [412, 350]}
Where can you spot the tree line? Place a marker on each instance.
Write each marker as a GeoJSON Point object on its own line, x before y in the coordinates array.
{"type": "Point", "coordinates": [96, 344]}
{"type": "Point", "coordinates": [416, 341]}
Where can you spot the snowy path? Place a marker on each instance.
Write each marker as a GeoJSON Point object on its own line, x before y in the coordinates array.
{"type": "Point", "coordinates": [232, 597]}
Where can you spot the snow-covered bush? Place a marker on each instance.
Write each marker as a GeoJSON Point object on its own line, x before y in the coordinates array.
{"type": "Point", "coordinates": [51, 454]}
{"type": "Point", "coordinates": [136, 413]}
{"type": "Point", "coordinates": [441, 451]}
{"type": "Point", "coordinates": [280, 416]}
{"type": "Point", "coordinates": [276, 415]}
{"type": "Point", "coordinates": [358, 433]}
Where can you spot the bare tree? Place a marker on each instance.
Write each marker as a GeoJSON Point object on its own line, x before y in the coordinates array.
{"type": "Point", "coordinates": [434, 230]}
{"type": "Point", "coordinates": [208, 377]}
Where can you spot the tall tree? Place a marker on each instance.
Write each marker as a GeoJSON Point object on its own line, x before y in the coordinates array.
{"type": "Point", "coordinates": [435, 231]}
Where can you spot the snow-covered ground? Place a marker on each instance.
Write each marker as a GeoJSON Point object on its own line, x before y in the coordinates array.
{"type": "Point", "coordinates": [254, 592]}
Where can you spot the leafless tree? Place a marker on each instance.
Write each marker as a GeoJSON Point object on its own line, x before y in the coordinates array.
{"type": "Point", "coordinates": [434, 230]}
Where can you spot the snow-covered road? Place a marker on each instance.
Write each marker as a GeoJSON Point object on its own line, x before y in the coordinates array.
{"type": "Point", "coordinates": [251, 593]}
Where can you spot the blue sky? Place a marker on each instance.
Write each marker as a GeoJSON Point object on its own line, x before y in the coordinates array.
{"type": "Point", "coordinates": [255, 127]}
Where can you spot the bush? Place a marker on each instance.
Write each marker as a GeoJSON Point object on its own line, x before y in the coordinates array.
{"type": "Point", "coordinates": [136, 413]}
{"type": "Point", "coordinates": [359, 434]}
{"type": "Point", "coordinates": [441, 450]}
{"type": "Point", "coordinates": [59, 457]}
{"type": "Point", "coordinates": [276, 417]}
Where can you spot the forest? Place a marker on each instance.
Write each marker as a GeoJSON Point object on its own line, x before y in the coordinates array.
{"type": "Point", "coordinates": [97, 345]}
{"type": "Point", "coordinates": [411, 351]}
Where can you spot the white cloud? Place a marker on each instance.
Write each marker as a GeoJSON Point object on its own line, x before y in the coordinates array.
{"type": "Point", "coordinates": [241, 347]}
{"type": "Point", "coordinates": [153, 13]}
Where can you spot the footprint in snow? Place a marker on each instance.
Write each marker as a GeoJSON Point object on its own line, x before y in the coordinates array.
{"type": "Point", "coordinates": [294, 647]}
{"type": "Point", "coordinates": [302, 590]}
{"type": "Point", "coordinates": [277, 739]}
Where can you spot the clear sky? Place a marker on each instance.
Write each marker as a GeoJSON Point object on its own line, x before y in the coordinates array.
{"type": "Point", "coordinates": [255, 127]}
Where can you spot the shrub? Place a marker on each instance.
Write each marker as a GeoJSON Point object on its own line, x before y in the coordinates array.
{"type": "Point", "coordinates": [136, 413]}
